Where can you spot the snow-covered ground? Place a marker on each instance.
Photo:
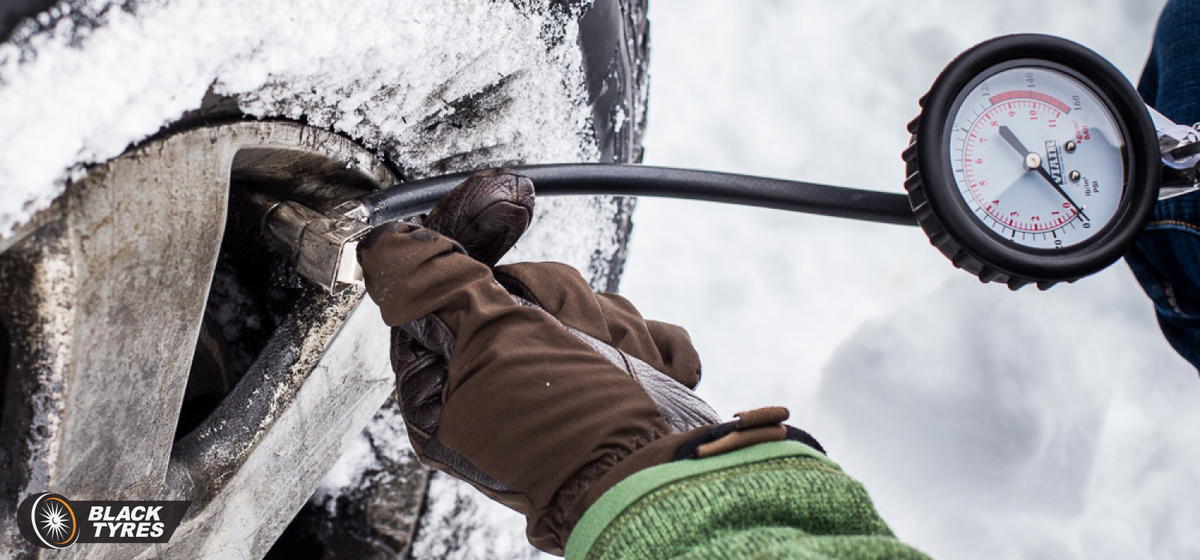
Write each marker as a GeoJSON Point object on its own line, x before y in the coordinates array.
{"type": "Point", "coordinates": [73, 94]}
{"type": "Point", "coordinates": [985, 423]}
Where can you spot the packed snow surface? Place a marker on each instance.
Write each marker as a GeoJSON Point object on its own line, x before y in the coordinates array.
{"type": "Point", "coordinates": [985, 423]}
{"type": "Point", "coordinates": [380, 72]}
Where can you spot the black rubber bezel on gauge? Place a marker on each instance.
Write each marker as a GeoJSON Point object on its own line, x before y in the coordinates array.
{"type": "Point", "coordinates": [995, 253]}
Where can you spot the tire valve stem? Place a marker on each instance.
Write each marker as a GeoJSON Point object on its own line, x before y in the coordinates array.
{"type": "Point", "coordinates": [323, 246]}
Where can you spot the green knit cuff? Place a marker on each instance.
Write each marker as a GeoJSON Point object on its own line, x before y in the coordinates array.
{"type": "Point", "coordinates": [617, 500]}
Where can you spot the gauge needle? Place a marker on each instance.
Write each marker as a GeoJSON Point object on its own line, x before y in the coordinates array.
{"type": "Point", "coordinates": [1011, 138]}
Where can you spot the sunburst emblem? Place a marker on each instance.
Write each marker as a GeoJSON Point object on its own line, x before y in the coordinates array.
{"type": "Point", "coordinates": [56, 522]}
{"type": "Point", "coordinates": [48, 520]}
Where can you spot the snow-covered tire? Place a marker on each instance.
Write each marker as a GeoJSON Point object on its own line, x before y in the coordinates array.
{"type": "Point", "coordinates": [152, 349]}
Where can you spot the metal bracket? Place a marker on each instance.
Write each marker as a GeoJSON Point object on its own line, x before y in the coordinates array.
{"type": "Point", "coordinates": [1180, 147]}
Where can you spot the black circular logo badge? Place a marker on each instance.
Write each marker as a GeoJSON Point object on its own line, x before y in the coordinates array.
{"type": "Point", "coordinates": [48, 520]}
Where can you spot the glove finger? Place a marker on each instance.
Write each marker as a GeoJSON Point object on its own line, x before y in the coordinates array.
{"type": "Point", "coordinates": [420, 379]}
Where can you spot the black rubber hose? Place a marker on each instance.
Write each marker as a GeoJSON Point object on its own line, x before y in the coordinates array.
{"type": "Point", "coordinates": [415, 197]}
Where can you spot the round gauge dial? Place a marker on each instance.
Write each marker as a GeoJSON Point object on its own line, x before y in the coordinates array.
{"type": "Point", "coordinates": [1033, 161]}
{"type": "Point", "coordinates": [1038, 157]}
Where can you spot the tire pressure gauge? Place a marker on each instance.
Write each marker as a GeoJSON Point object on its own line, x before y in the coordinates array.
{"type": "Point", "coordinates": [1033, 161]}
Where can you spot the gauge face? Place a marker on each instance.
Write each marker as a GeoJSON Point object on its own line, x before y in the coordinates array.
{"type": "Point", "coordinates": [1034, 160]}
{"type": "Point", "coordinates": [1037, 157]}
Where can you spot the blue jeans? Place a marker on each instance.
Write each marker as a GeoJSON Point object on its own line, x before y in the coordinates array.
{"type": "Point", "coordinates": [1166, 260]}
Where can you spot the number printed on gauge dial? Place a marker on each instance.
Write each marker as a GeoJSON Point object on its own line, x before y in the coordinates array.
{"type": "Point", "coordinates": [1037, 157]}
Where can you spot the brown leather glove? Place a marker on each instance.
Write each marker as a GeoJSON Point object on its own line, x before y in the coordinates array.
{"type": "Point", "coordinates": [539, 413]}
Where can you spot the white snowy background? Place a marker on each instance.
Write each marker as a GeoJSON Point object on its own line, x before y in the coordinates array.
{"type": "Point", "coordinates": [985, 423]}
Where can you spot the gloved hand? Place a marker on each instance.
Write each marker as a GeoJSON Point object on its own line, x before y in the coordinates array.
{"type": "Point", "coordinates": [539, 415]}
{"type": "Point", "coordinates": [520, 380]}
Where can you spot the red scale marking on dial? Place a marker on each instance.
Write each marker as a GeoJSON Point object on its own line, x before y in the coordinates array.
{"type": "Point", "coordinates": [1027, 94]}
{"type": "Point", "coordinates": [1016, 98]}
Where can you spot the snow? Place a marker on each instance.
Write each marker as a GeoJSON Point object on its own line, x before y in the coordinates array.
{"type": "Point", "coordinates": [458, 525]}
{"type": "Point", "coordinates": [985, 423]}
{"type": "Point", "coordinates": [380, 72]}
